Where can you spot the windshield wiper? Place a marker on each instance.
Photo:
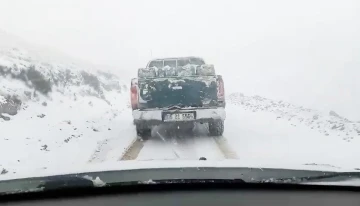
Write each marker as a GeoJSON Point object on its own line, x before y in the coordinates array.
{"type": "Point", "coordinates": [168, 176]}
{"type": "Point", "coordinates": [326, 177]}
{"type": "Point", "coordinates": [49, 183]}
{"type": "Point", "coordinates": [80, 182]}
{"type": "Point", "coordinates": [192, 181]}
{"type": "Point", "coordinates": [66, 182]}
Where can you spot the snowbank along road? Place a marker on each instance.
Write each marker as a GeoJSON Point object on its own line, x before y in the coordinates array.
{"type": "Point", "coordinates": [55, 114]}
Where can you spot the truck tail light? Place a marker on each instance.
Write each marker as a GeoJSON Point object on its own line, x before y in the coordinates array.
{"type": "Point", "coordinates": [220, 89]}
{"type": "Point", "coordinates": [134, 94]}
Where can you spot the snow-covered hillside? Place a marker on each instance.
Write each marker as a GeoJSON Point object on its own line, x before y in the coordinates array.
{"type": "Point", "coordinates": [327, 124]}
{"type": "Point", "coordinates": [27, 71]}
{"type": "Point", "coordinates": [46, 77]}
{"type": "Point", "coordinates": [56, 111]}
{"type": "Point", "coordinates": [266, 132]}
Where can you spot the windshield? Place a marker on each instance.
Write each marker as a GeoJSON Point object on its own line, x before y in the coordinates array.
{"type": "Point", "coordinates": [88, 86]}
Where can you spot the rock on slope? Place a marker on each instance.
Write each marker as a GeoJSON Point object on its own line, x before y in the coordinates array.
{"type": "Point", "coordinates": [327, 124]}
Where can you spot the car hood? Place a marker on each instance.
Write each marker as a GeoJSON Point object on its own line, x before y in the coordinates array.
{"type": "Point", "coordinates": [168, 172]}
{"type": "Point", "coordinates": [154, 164]}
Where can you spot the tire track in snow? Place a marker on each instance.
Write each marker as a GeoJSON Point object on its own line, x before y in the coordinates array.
{"type": "Point", "coordinates": [108, 150]}
{"type": "Point", "coordinates": [180, 142]}
{"type": "Point", "coordinates": [225, 148]}
{"type": "Point", "coordinates": [183, 146]}
{"type": "Point", "coordinates": [165, 145]}
{"type": "Point", "coordinates": [98, 156]}
{"type": "Point", "coordinates": [111, 149]}
{"type": "Point", "coordinates": [195, 147]}
{"type": "Point", "coordinates": [220, 141]}
{"type": "Point", "coordinates": [132, 152]}
{"type": "Point", "coordinates": [156, 142]}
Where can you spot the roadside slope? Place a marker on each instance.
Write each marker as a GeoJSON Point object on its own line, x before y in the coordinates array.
{"type": "Point", "coordinates": [267, 132]}
{"type": "Point", "coordinates": [56, 112]}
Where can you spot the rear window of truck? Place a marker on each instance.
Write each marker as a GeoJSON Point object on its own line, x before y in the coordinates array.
{"type": "Point", "coordinates": [170, 63]}
{"type": "Point", "coordinates": [158, 64]}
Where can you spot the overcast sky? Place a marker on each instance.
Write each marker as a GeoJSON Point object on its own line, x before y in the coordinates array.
{"type": "Point", "coordinates": [306, 52]}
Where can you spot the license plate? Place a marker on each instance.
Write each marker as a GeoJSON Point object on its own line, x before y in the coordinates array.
{"type": "Point", "coordinates": [178, 117]}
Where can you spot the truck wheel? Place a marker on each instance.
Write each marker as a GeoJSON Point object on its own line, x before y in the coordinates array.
{"type": "Point", "coordinates": [216, 128]}
{"type": "Point", "coordinates": [143, 132]}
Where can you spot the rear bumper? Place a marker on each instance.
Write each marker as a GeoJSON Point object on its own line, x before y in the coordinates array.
{"type": "Point", "coordinates": [202, 115]}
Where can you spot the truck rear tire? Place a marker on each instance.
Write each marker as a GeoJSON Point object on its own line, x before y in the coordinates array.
{"type": "Point", "coordinates": [216, 128]}
{"type": "Point", "coordinates": [143, 132]}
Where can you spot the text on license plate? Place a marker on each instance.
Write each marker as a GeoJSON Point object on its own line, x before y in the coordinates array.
{"type": "Point", "coordinates": [179, 117]}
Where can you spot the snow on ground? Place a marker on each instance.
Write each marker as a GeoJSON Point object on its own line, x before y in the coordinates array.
{"type": "Point", "coordinates": [65, 132]}
{"type": "Point", "coordinates": [57, 112]}
{"type": "Point", "coordinates": [267, 137]}
{"type": "Point", "coordinates": [268, 133]}
{"type": "Point", "coordinates": [70, 134]}
{"type": "Point", "coordinates": [90, 134]}
{"type": "Point", "coordinates": [180, 146]}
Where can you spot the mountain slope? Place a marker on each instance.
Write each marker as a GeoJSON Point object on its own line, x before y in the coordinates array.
{"type": "Point", "coordinates": [56, 111]}
{"type": "Point", "coordinates": [27, 71]}
{"type": "Point", "coordinates": [326, 124]}
{"type": "Point", "coordinates": [271, 132]}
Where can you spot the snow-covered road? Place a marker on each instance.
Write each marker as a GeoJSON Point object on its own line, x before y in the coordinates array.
{"type": "Point", "coordinates": [260, 136]}
{"type": "Point", "coordinates": [82, 134]}
{"type": "Point", "coordinates": [178, 145]}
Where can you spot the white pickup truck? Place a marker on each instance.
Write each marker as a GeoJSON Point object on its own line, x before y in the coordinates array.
{"type": "Point", "coordinates": [178, 91]}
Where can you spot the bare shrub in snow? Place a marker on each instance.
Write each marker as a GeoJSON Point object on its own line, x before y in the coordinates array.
{"type": "Point", "coordinates": [4, 117]}
{"type": "Point", "coordinates": [4, 171]}
{"type": "Point", "coordinates": [91, 80]}
{"type": "Point", "coordinates": [41, 115]}
{"type": "Point", "coordinates": [9, 104]}
{"type": "Point", "coordinates": [38, 81]}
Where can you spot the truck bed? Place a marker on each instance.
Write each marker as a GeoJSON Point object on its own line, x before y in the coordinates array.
{"type": "Point", "coordinates": [192, 91]}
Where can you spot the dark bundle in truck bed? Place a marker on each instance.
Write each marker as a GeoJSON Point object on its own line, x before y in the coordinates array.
{"type": "Point", "coordinates": [185, 86]}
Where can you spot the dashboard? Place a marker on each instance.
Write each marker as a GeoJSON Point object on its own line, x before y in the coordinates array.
{"type": "Point", "coordinates": [197, 195]}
